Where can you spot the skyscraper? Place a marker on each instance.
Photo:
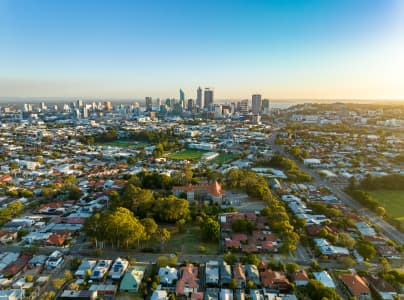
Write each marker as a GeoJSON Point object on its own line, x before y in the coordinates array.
{"type": "Point", "coordinates": [208, 98]}
{"type": "Point", "coordinates": [244, 106]}
{"type": "Point", "coordinates": [182, 95]}
{"type": "Point", "coordinates": [199, 99]}
{"type": "Point", "coordinates": [266, 107]}
{"type": "Point", "coordinates": [149, 104]}
{"type": "Point", "coordinates": [108, 105]}
{"type": "Point", "coordinates": [256, 104]}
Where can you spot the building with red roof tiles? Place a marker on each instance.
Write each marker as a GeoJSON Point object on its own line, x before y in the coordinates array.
{"type": "Point", "coordinates": [16, 266]}
{"type": "Point", "coordinates": [232, 244]}
{"type": "Point", "coordinates": [300, 278]}
{"type": "Point", "coordinates": [55, 240]}
{"type": "Point", "coordinates": [212, 192]}
{"type": "Point", "coordinates": [357, 286]}
{"type": "Point", "coordinates": [275, 280]}
{"type": "Point", "coordinates": [188, 282]}
{"type": "Point", "coordinates": [239, 275]}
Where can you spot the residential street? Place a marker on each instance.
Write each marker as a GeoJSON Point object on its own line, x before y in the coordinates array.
{"type": "Point", "coordinates": [385, 228]}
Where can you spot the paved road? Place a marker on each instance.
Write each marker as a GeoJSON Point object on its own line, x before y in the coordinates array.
{"type": "Point", "coordinates": [385, 228]}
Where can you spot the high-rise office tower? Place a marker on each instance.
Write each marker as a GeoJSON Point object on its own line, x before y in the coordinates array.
{"type": "Point", "coordinates": [208, 98]}
{"type": "Point", "coordinates": [244, 106]}
{"type": "Point", "coordinates": [266, 106]}
{"type": "Point", "coordinates": [190, 104]}
{"type": "Point", "coordinates": [256, 104]}
{"type": "Point", "coordinates": [43, 106]}
{"type": "Point", "coordinates": [149, 104]}
{"type": "Point", "coordinates": [79, 103]}
{"type": "Point", "coordinates": [108, 105]}
{"type": "Point", "coordinates": [199, 99]}
{"type": "Point", "coordinates": [182, 95]}
{"type": "Point", "coordinates": [85, 112]}
{"type": "Point", "coordinates": [158, 102]}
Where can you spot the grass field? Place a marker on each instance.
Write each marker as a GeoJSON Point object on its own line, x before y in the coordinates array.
{"type": "Point", "coordinates": [188, 154]}
{"type": "Point", "coordinates": [223, 158]}
{"type": "Point", "coordinates": [189, 243]}
{"type": "Point", "coordinates": [392, 201]}
{"type": "Point", "coordinates": [126, 144]}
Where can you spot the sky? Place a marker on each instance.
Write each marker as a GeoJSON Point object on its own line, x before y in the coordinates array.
{"type": "Point", "coordinates": [282, 49]}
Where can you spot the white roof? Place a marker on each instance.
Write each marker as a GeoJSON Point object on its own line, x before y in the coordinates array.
{"type": "Point", "coordinates": [324, 278]}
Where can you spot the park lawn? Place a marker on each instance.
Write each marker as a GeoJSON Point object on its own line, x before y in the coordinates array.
{"type": "Point", "coordinates": [189, 242]}
{"type": "Point", "coordinates": [392, 201]}
{"type": "Point", "coordinates": [223, 158]}
{"type": "Point", "coordinates": [125, 144]}
{"type": "Point", "coordinates": [188, 154]}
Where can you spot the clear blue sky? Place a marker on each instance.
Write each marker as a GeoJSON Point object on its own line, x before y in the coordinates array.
{"type": "Point", "coordinates": [131, 49]}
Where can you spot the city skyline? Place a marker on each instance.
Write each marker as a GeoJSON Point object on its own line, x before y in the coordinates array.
{"type": "Point", "coordinates": [281, 49]}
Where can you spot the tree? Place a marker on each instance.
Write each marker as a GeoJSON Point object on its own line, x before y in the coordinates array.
{"type": "Point", "coordinates": [58, 283]}
{"type": "Point", "coordinates": [250, 284]}
{"type": "Point", "coordinates": [230, 258]}
{"type": "Point", "coordinates": [345, 240]}
{"type": "Point", "coordinates": [171, 209]}
{"type": "Point", "coordinates": [210, 229]}
{"type": "Point", "coordinates": [150, 227]}
{"type": "Point", "coordinates": [233, 284]}
{"type": "Point", "coordinates": [136, 199]}
{"type": "Point", "coordinates": [68, 275]}
{"type": "Point", "coordinates": [317, 291]}
{"type": "Point", "coordinates": [252, 259]}
{"type": "Point", "coordinates": [366, 249]}
{"type": "Point", "coordinates": [164, 236]}
{"type": "Point", "coordinates": [292, 268]}
{"type": "Point", "coordinates": [380, 211]}
{"type": "Point", "coordinates": [180, 225]}
{"type": "Point", "coordinates": [242, 225]}
{"type": "Point", "coordinates": [347, 261]}
{"type": "Point", "coordinates": [124, 227]}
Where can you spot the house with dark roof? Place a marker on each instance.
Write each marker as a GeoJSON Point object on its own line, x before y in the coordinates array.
{"type": "Point", "coordinates": [382, 288]}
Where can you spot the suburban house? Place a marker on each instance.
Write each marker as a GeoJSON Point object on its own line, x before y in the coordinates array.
{"type": "Point", "coordinates": [357, 286]}
{"type": "Point", "coordinates": [324, 278]}
{"type": "Point", "coordinates": [188, 282]}
{"type": "Point", "coordinates": [300, 278]}
{"type": "Point", "coordinates": [239, 275]}
{"type": "Point", "coordinates": [384, 289]}
{"type": "Point", "coordinates": [212, 273]}
{"type": "Point", "coordinates": [213, 192]}
{"type": "Point", "coordinates": [132, 279]}
{"type": "Point", "coordinates": [225, 274]}
{"type": "Point", "coordinates": [168, 276]}
{"type": "Point", "coordinates": [275, 280]}
{"type": "Point", "coordinates": [252, 274]}
{"type": "Point", "coordinates": [86, 264]}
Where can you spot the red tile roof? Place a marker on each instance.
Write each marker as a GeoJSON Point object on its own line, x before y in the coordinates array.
{"type": "Point", "coordinates": [356, 284]}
